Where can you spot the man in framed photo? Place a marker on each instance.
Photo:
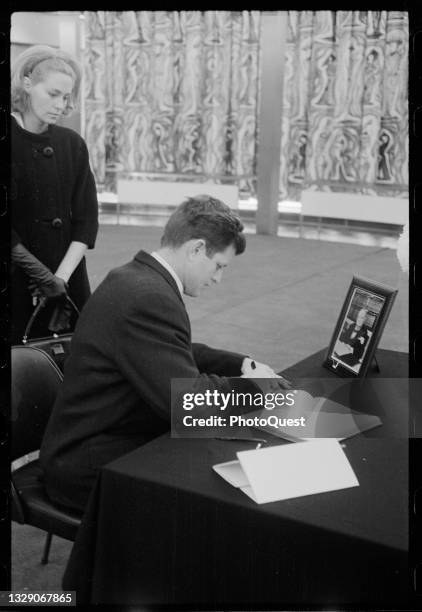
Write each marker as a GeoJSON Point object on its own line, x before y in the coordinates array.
{"type": "Point", "coordinates": [354, 338]}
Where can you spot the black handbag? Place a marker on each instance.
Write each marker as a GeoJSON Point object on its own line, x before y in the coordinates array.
{"type": "Point", "coordinates": [56, 346]}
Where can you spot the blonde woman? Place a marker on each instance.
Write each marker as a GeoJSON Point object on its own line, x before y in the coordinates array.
{"type": "Point", "coordinates": [54, 206]}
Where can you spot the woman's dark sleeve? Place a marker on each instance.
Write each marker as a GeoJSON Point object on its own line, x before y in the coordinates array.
{"type": "Point", "coordinates": [84, 201]}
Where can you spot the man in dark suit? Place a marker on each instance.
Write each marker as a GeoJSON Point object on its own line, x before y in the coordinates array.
{"type": "Point", "coordinates": [132, 338]}
{"type": "Point", "coordinates": [355, 335]}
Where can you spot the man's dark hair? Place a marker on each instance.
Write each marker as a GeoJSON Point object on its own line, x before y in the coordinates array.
{"type": "Point", "coordinates": [208, 218]}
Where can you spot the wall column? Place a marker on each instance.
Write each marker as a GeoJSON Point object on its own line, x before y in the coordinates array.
{"type": "Point", "coordinates": [273, 48]}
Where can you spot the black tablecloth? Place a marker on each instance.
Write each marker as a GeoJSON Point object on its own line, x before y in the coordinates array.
{"type": "Point", "coordinates": [161, 527]}
{"type": "Point", "coordinates": [391, 364]}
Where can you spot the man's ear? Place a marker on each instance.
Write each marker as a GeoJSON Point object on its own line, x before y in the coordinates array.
{"type": "Point", "coordinates": [197, 247]}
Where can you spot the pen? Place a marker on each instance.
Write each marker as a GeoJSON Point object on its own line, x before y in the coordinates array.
{"type": "Point", "coordinates": [232, 439]}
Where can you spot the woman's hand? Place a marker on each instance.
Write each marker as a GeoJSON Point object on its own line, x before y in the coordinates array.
{"type": "Point", "coordinates": [42, 282]}
{"type": "Point", "coordinates": [50, 287]}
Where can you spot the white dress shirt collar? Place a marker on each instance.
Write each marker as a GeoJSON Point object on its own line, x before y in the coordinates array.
{"type": "Point", "coordinates": [170, 270]}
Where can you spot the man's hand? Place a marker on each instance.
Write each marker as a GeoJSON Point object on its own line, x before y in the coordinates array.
{"type": "Point", "coordinates": [341, 348]}
{"type": "Point", "coordinates": [254, 369]}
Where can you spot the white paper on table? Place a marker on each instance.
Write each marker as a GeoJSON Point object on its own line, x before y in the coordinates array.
{"type": "Point", "coordinates": [233, 472]}
{"type": "Point", "coordinates": [290, 470]}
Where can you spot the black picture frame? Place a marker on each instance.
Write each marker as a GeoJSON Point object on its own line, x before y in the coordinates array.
{"type": "Point", "coordinates": [359, 327]}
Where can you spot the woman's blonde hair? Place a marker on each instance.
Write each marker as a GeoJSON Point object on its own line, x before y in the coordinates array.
{"type": "Point", "coordinates": [36, 62]}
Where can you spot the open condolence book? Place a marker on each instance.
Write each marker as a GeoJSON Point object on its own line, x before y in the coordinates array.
{"type": "Point", "coordinates": [322, 418]}
{"type": "Point", "coordinates": [289, 470]}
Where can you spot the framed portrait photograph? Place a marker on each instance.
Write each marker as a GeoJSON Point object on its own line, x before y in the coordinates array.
{"type": "Point", "coordinates": [359, 327]}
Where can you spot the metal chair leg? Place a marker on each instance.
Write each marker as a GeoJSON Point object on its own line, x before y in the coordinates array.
{"type": "Point", "coordinates": [47, 546]}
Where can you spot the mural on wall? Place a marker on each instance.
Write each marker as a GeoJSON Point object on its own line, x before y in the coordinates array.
{"type": "Point", "coordinates": [345, 118]}
{"type": "Point", "coordinates": [173, 92]}
{"type": "Point", "coordinates": [177, 93]}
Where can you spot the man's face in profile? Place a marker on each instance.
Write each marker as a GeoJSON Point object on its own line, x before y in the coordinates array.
{"type": "Point", "coordinates": [203, 270]}
{"type": "Point", "coordinates": [361, 317]}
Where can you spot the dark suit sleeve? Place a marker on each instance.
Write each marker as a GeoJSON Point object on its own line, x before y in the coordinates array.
{"type": "Point", "coordinates": [213, 361]}
{"type": "Point", "coordinates": [360, 343]}
{"type": "Point", "coordinates": [344, 335]}
{"type": "Point", "coordinates": [158, 324]}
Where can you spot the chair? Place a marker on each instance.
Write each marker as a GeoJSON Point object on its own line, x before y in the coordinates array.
{"type": "Point", "coordinates": [35, 382]}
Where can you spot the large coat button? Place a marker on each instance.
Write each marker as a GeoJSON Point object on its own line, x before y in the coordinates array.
{"type": "Point", "coordinates": [48, 151]}
{"type": "Point", "coordinates": [57, 223]}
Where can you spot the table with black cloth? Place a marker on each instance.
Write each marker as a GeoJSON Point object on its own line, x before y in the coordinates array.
{"type": "Point", "coordinates": [162, 527]}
